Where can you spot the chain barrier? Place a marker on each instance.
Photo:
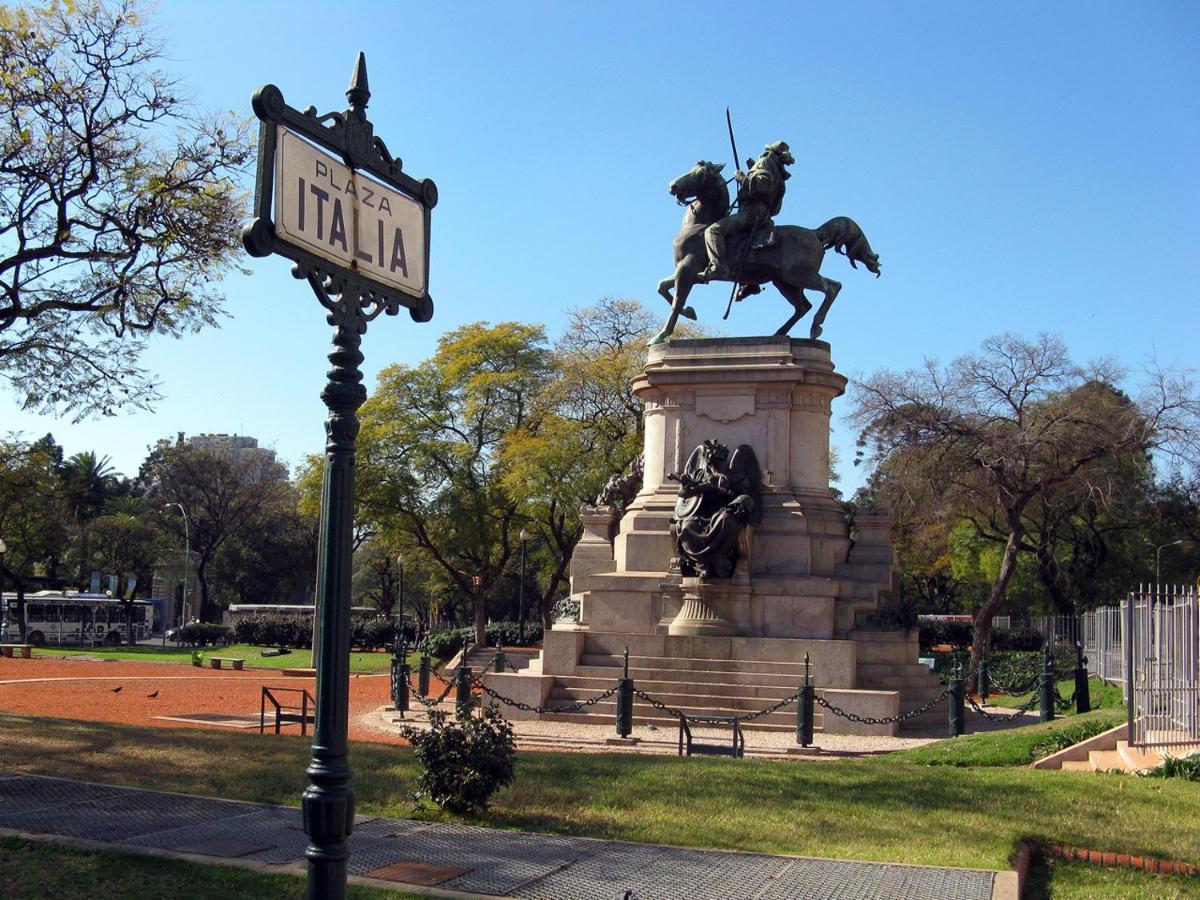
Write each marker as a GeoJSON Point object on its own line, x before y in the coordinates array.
{"type": "Point", "coordinates": [716, 720]}
{"type": "Point", "coordinates": [546, 710]}
{"type": "Point", "coordinates": [1015, 692]}
{"type": "Point", "coordinates": [996, 717]}
{"type": "Point", "coordinates": [1064, 702]}
{"type": "Point", "coordinates": [886, 720]}
{"type": "Point", "coordinates": [428, 704]}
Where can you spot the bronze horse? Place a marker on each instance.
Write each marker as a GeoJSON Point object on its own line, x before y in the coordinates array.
{"type": "Point", "coordinates": [792, 262]}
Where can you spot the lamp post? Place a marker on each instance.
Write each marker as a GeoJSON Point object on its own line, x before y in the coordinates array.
{"type": "Point", "coordinates": [187, 561]}
{"type": "Point", "coordinates": [525, 536]}
{"type": "Point", "coordinates": [400, 588]}
{"type": "Point", "coordinates": [3, 605]}
{"type": "Point", "coordinates": [1158, 559]}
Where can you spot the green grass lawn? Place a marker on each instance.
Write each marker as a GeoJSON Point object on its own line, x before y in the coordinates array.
{"type": "Point", "coordinates": [933, 806]}
{"type": "Point", "coordinates": [361, 663]}
{"type": "Point", "coordinates": [38, 869]}
{"type": "Point", "coordinates": [1100, 696]}
{"type": "Point", "coordinates": [1061, 880]}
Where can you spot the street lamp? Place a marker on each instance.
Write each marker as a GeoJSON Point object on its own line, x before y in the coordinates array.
{"type": "Point", "coordinates": [525, 536]}
{"type": "Point", "coordinates": [1158, 559]}
{"type": "Point", "coordinates": [400, 588]}
{"type": "Point", "coordinates": [187, 555]}
{"type": "Point", "coordinates": [3, 605]}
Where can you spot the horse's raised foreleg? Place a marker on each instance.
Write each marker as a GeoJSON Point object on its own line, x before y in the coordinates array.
{"type": "Point", "coordinates": [664, 288]}
{"type": "Point", "coordinates": [830, 288]}
{"type": "Point", "coordinates": [800, 305]}
{"type": "Point", "coordinates": [683, 287]}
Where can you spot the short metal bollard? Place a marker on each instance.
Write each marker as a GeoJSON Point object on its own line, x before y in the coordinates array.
{"type": "Point", "coordinates": [462, 695]}
{"type": "Point", "coordinates": [1083, 697]}
{"type": "Point", "coordinates": [1046, 689]}
{"type": "Point", "coordinates": [499, 659]}
{"type": "Point", "coordinates": [400, 675]}
{"type": "Point", "coordinates": [625, 701]}
{"type": "Point", "coordinates": [981, 678]}
{"type": "Point", "coordinates": [423, 676]}
{"type": "Point", "coordinates": [804, 710]}
{"type": "Point", "coordinates": [957, 711]}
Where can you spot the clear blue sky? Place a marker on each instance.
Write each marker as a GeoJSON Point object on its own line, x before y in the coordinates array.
{"type": "Point", "coordinates": [1018, 166]}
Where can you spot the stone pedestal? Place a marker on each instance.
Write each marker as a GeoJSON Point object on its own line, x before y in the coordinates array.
{"type": "Point", "coordinates": [801, 580]}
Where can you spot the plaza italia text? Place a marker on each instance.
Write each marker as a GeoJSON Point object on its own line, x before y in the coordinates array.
{"type": "Point", "coordinates": [321, 215]}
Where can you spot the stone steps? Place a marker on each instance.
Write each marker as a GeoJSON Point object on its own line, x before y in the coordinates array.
{"type": "Point", "coordinates": [683, 686]}
{"type": "Point", "coordinates": [691, 664]}
{"type": "Point", "coordinates": [698, 676]}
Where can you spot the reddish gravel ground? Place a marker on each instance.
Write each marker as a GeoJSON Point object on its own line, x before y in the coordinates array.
{"type": "Point", "coordinates": [87, 689]}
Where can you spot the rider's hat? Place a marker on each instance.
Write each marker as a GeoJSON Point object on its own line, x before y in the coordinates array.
{"type": "Point", "coordinates": [781, 149]}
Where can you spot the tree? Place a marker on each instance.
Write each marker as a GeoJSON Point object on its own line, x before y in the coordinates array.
{"type": "Point", "coordinates": [89, 482]}
{"type": "Point", "coordinates": [1016, 425]}
{"type": "Point", "coordinates": [587, 427]}
{"type": "Point", "coordinates": [32, 516]}
{"type": "Point", "coordinates": [430, 451]}
{"type": "Point", "coordinates": [118, 209]}
{"type": "Point", "coordinates": [225, 493]}
{"type": "Point", "coordinates": [127, 542]}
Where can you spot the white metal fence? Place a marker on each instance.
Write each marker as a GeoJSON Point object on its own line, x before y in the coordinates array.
{"type": "Point", "coordinates": [1163, 624]}
{"type": "Point", "coordinates": [1150, 645]}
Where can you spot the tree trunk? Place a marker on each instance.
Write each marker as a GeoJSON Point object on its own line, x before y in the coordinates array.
{"type": "Point", "coordinates": [983, 618]}
{"type": "Point", "coordinates": [480, 620]}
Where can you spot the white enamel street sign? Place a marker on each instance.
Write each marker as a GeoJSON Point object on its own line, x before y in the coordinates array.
{"type": "Point", "coordinates": [329, 209]}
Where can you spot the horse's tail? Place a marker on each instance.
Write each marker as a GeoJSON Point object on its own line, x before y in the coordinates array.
{"type": "Point", "coordinates": [843, 235]}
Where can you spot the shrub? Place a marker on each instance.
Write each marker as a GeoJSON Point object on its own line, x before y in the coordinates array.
{"type": "Point", "coordinates": [1017, 639]}
{"type": "Point", "coordinates": [957, 634]}
{"type": "Point", "coordinates": [274, 630]}
{"type": "Point", "coordinates": [444, 644]}
{"type": "Point", "coordinates": [463, 762]}
{"type": "Point", "coordinates": [1187, 768]}
{"type": "Point", "coordinates": [201, 634]}
{"type": "Point", "coordinates": [1061, 738]}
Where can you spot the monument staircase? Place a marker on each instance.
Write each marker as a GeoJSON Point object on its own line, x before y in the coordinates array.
{"type": "Point", "coordinates": [701, 687]}
{"type": "Point", "coordinates": [886, 664]}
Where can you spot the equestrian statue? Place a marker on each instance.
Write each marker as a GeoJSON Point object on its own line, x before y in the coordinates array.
{"type": "Point", "coordinates": [742, 244]}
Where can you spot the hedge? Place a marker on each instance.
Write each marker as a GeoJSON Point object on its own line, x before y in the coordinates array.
{"type": "Point", "coordinates": [444, 644]}
{"type": "Point", "coordinates": [296, 631]}
{"type": "Point", "coordinates": [959, 635]}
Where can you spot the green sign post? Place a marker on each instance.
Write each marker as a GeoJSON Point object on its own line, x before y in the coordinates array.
{"type": "Point", "coordinates": [331, 198]}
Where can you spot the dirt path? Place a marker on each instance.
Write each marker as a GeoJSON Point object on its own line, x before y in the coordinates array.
{"type": "Point", "coordinates": [142, 693]}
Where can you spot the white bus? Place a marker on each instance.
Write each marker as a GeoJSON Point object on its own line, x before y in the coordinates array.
{"type": "Point", "coordinates": [56, 617]}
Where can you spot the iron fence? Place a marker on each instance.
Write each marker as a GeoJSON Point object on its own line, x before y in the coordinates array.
{"type": "Point", "coordinates": [1162, 656]}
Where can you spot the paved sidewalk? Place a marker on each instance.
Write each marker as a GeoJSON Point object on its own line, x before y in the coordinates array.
{"type": "Point", "coordinates": [461, 859]}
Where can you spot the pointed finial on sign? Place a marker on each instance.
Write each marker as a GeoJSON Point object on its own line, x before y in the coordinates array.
{"type": "Point", "coordinates": [359, 93]}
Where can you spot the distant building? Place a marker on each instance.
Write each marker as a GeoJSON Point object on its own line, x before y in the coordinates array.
{"type": "Point", "coordinates": [230, 444]}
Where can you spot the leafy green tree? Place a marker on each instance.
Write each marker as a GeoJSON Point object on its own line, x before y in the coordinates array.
{"type": "Point", "coordinates": [225, 493]}
{"type": "Point", "coordinates": [1018, 424]}
{"type": "Point", "coordinates": [33, 516]}
{"type": "Point", "coordinates": [588, 426]}
{"type": "Point", "coordinates": [89, 483]}
{"type": "Point", "coordinates": [128, 541]}
{"type": "Point", "coordinates": [430, 451]}
{"type": "Point", "coordinates": [118, 205]}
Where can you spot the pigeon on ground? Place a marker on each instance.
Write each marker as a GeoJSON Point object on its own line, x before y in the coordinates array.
{"type": "Point", "coordinates": [152, 696]}
{"type": "Point", "coordinates": [117, 689]}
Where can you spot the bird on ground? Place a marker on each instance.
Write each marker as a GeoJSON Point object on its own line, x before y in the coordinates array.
{"type": "Point", "coordinates": [117, 689]}
{"type": "Point", "coordinates": [152, 696]}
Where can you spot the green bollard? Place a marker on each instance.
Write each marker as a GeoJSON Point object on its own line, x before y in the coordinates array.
{"type": "Point", "coordinates": [423, 676]}
{"type": "Point", "coordinates": [1083, 699]}
{"type": "Point", "coordinates": [499, 659]}
{"type": "Point", "coordinates": [804, 711]}
{"type": "Point", "coordinates": [400, 696]}
{"type": "Point", "coordinates": [981, 678]}
{"type": "Point", "coordinates": [957, 713]}
{"type": "Point", "coordinates": [625, 701]}
{"type": "Point", "coordinates": [1046, 689]}
{"type": "Point", "coordinates": [462, 696]}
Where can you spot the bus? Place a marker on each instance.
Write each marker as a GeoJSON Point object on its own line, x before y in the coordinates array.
{"type": "Point", "coordinates": [58, 617]}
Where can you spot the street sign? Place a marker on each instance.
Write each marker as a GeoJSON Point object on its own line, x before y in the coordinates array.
{"type": "Point", "coordinates": [347, 218]}
{"type": "Point", "coordinates": [330, 197]}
